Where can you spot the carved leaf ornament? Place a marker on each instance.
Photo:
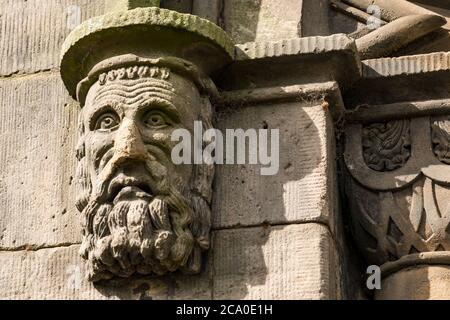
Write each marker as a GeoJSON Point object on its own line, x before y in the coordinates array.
{"type": "Point", "coordinates": [398, 191]}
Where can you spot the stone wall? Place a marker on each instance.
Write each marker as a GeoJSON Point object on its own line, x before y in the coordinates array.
{"type": "Point", "coordinates": [274, 237]}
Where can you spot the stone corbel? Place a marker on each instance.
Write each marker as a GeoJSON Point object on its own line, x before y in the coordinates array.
{"type": "Point", "coordinates": [296, 69]}
{"type": "Point", "coordinates": [139, 73]}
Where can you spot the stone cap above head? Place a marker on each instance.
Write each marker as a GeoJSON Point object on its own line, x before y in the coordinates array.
{"type": "Point", "coordinates": [148, 33]}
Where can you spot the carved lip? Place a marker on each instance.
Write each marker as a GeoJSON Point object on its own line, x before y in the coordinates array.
{"type": "Point", "coordinates": [122, 181]}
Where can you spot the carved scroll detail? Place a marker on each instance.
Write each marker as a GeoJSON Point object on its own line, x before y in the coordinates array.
{"type": "Point", "coordinates": [440, 128]}
{"type": "Point", "coordinates": [390, 225]}
{"type": "Point", "coordinates": [386, 146]}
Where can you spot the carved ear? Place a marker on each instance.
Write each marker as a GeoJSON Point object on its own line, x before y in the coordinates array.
{"type": "Point", "coordinates": [83, 185]}
{"type": "Point", "coordinates": [203, 174]}
{"type": "Point", "coordinates": [82, 178]}
{"type": "Point", "coordinates": [201, 188]}
{"type": "Point", "coordinates": [81, 148]}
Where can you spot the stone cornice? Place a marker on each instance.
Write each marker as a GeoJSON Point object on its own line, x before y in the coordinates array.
{"type": "Point", "coordinates": [395, 111]}
{"type": "Point", "coordinates": [388, 81]}
{"type": "Point", "coordinates": [292, 62]}
{"type": "Point", "coordinates": [309, 93]}
{"type": "Point", "coordinates": [406, 65]}
{"type": "Point", "coordinates": [295, 46]}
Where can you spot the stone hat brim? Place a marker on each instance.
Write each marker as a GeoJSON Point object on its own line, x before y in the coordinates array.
{"type": "Point", "coordinates": [147, 33]}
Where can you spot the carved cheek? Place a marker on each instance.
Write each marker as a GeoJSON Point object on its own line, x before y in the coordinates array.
{"type": "Point", "coordinates": [163, 138]}
{"type": "Point", "coordinates": [97, 146]}
{"type": "Point", "coordinates": [159, 144]}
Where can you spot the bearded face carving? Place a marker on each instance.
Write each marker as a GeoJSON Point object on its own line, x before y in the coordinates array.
{"type": "Point", "coordinates": [142, 213]}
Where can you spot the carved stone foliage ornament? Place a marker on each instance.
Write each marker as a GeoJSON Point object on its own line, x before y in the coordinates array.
{"type": "Point", "coordinates": [386, 146]}
{"type": "Point", "coordinates": [398, 190]}
{"type": "Point", "coordinates": [142, 214]}
{"type": "Point", "coordinates": [441, 138]}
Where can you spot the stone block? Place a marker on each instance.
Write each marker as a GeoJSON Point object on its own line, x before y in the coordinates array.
{"type": "Point", "coordinates": [262, 20]}
{"type": "Point", "coordinates": [208, 9]}
{"type": "Point", "coordinates": [281, 262]}
{"type": "Point", "coordinates": [37, 139]}
{"type": "Point", "coordinates": [121, 5]}
{"type": "Point", "coordinates": [59, 273]}
{"type": "Point", "coordinates": [422, 282]}
{"type": "Point", "coordinates": [183, 6]}
{"type": "Point", "coordinates": [302, 191]}
{"type": "Point", "coordinates": [32, 32]}
{"type": "Point", "coordinates": [316, 20]}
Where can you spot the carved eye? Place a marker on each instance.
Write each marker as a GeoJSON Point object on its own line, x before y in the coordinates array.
{"type": "Point", "coordinates": [155, 119]}
{"type": "Point", "coordinates": [107, 122]}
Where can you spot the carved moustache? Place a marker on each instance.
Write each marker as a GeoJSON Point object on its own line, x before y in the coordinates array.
{"type": "Point", "coordinates": [129, 228]}
{"type": "Point", "coordinates": [153, 180]}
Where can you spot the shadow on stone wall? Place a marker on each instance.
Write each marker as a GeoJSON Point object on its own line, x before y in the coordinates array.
{"type": "Point", "coordinates": [184, 6]}
{"type": "Point", "coordinates": [241, 19]}
{"type": "Point", "coordinates": [247, 205]}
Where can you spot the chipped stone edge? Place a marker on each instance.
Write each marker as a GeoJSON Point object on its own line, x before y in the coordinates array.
{"type": "Point", "coordinates": [406, 65]}
{"type": "Point", "coordinates": [295, 46]}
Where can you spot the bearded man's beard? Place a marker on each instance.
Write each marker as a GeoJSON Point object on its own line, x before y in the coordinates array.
{"type": "Point", "coordinates": [140, 233]}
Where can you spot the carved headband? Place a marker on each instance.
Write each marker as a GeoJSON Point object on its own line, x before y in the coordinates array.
{"type": "Point", "coordinates": [179, 66]}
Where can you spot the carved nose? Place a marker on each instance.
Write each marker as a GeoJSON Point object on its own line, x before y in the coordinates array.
{"type": "Point", "coordinates": [128, 143]}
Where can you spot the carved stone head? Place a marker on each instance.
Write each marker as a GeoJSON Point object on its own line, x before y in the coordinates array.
{"type": "Point", "coordinates": [139, 75]}
{"type": "Point", "coordinates": [142, 213]}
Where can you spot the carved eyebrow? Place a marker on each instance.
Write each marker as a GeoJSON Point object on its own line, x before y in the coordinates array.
{"type": "Point", "coordinates": [149, 103]}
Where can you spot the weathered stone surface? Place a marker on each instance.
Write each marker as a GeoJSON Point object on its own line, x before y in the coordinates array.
{"type": "Point", "coordinates": [301, 191]}
{"type": "Point", "coordinates": [122, 5]}
{"type": "Point", "coordinates": [397, 34]}
{"type": "Point", "coordinates": [389, 80]}
{"type": "Point", "coordinates": [342, 23]}
{"type": "Point", "coordinates": [417, 283]}
{"type": "Point", "coordinates": [59, 273]}
{"type": "Point", "coordinates": [371, 113]}
{"type": "Point", "coordinates": [314, 19]}
{"type": "Point", "coordinates": [262, 20]}
{"type": "Point", "coordinates": [248, 264]}
{"type": "Point", "coordinates": [293, 61]}
{"type": "Point", "coordinates": [31, 32]}
{"type": "Point", "coordinates": [407, 65]}
{"type": "Point", "coordinates": [296, 46]}
{"type": "Point", "coordinates": [282, 262]}
{"type": "Point", "coordinates": [37, 135]}
{"type": "Point", "coordinates": [390, 9]}
{"type": "Point", "coordinates": [184, 6]}
{"type": "Point", "coordinates": [210, 10]}
{"type": "Point", "coordinates": [145, 210]}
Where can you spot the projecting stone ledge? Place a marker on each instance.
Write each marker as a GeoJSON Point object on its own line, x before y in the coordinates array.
{"type": "Point", "coordinates": [406, 65]}
{"type": "Point", "coordinates": [293, 61]}
{"type": "Point", "coordinates": [295, 46]}
{"type": "Point", "coordinates": [389, 80]}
